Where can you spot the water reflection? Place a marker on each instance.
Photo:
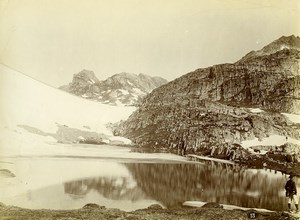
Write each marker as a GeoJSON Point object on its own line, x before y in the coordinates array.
{"type": "Point", "coordinates": [173, 184]}
{"type": "Point", "coordinates": [222, 183]}
{"type": "Point", "coordinates": [116, 188]}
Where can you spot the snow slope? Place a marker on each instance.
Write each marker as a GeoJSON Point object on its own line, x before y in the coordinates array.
{"type": "Point", "coordinates": [25, 101]}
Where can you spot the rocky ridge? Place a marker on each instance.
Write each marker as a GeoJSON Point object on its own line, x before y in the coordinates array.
{"type": "Point", "coordinates": [120, 89]}
{"type": "Point", "coordinates": [290, 42]}
{"type": "Point", "coordinates": [210, 111]}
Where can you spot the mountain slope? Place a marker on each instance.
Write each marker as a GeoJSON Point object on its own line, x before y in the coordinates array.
{"type": "Point", "coordinates": [30, 109]}
{"type": "Point", "coordinates": [210, 111]}
{"type": "Point", "coordinates": [123, 88]}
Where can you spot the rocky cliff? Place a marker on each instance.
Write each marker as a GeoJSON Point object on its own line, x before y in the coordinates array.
{"type": "Point", "coordinates": [210, 110]}
{"type": "Point", "coordinates": [123, 88]}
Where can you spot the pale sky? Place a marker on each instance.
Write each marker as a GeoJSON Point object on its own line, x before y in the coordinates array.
{"type": "Point", "coordinates": [50, 40]}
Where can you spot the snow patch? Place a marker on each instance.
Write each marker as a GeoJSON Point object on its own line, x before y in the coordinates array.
{"type": "Point", "coordinates": [129, 83]}
{"type": "Point", "coordinates": [138, 91]}
{"type": "Point", "coordinates": [292, 117]}
{"type": "Point", "coordinates": [120, 139]}
{"type": "Point", "coordinates": [274, 140]}
{"type": "Point", "coordinates": [210, 159]}
{"type": "Point", "coordinates": [105, 141]}
{"type": "Point", "coordinates": [118, 103]}
{"type": "Point", "coordinates": [91, 81]}
{"type": "Point", "coordinates": [123, 91]}
{"type": "Point", "coordinates": [225, 206]}
{"type": "Point", "coordinates": [284, 47]}
{"type": "Point", "coordinates": [255, 110]}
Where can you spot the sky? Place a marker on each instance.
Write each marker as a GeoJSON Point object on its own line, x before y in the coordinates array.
{"type": "Point", "coordinates": [50, 40]}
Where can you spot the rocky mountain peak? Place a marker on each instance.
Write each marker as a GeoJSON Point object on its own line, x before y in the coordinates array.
{"type": "Point", "coordinates": [284, 42]}
{"type": "Point", "coordinates": [122, 88]}
{"type": "Point", "coordinates": [85, 76]}
{"type": "Point", "coordinates": [129, 81]}
{"type": "Point", "coordinates": [291, 41]}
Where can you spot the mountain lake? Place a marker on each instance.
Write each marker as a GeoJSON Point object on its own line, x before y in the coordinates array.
{"type": "Point", "coordinates": [116, 177]}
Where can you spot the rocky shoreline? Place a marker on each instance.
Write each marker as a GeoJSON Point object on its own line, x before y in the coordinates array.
{"type": "Point", "coordinates": [94, 211]}
{"type": "Point", "coordinates": [288, 168]}
{"type": "Point", "coordinates": [258, 162]}
{"type": "Point", "coordinates": [255, 161]}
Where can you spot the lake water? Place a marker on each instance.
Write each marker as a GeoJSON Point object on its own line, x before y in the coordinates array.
{"type": "Point", "coordinates": [131, 181]}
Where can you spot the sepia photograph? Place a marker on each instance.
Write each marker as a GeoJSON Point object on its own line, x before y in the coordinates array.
{"type": "Point", "coordinates": [149, 109]}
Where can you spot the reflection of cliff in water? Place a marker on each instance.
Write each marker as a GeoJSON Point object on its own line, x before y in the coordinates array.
{"type": "Point", "coordinates": [173, 184]}
{"type": "Point", "coordinates": [116, 188]}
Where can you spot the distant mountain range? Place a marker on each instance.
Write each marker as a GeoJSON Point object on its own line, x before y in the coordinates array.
{"type": "Point", "coordinates": [120, 89]}
{"type": "Point", "coordinates": [216, 110]}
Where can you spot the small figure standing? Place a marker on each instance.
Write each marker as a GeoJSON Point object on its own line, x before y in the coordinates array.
{"type": "Point", "coordinates": [291, 193]}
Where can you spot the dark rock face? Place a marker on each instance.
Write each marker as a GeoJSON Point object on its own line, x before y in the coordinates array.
{"type": "Point", "coordinates": [83, 83]}
{"type": "Point", "coordinates": [91, 206]}
{"type": "Point", "coordinates": [207, 111]}
{"type": "Point", "coordinates": [123, 88]}
{"type": "Point", "coordinates": [270, 82]}
{"type": "Point", "coordinates": [7, 174]}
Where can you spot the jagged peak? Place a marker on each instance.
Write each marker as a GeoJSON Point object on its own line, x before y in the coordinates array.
{"type": "Point", "coordinates": [284, 42]}
{"type": "Point", "coordinates": [85, 72]}
{"type": "Point", "coordinates": [140, 76]}
{"type": "Point", "coordinates": [291, 41]}
{"type": "Point", "coordinates": [86, 75]}
{"type": "Point", "coordinates": [289, 38]}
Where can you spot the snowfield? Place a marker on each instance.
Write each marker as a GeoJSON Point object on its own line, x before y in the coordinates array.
{"type": "Point", "coordinates": [25, 101]}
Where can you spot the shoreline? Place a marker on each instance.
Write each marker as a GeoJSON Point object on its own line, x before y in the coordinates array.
{"type": "Point", "coordinates": [94, 211]}
{"type": "Point", "coordinates": [252, 162]}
